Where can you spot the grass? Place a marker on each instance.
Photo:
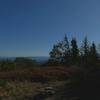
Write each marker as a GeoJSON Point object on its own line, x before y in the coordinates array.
{"type": "Point", "coordinates": [17, 90]}
{"type": "Point", "coordinates": [26, 83]}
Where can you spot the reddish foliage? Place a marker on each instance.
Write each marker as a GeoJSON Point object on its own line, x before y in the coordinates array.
{"type": "Point", "coordinates": [47, 71]}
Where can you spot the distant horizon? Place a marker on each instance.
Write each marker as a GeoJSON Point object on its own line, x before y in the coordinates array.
{"type": "Point", "coordinates": [21, 56]}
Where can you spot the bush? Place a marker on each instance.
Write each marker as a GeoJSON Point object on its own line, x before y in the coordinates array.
{"type": "Point", "coordinates": [22, 62]}
{"type": "Point", "coordinates": [2, 83]}
{"type": "Point", "coordinates": [53, 63]}
{"type": "Point", "coordinates": [7, 65]}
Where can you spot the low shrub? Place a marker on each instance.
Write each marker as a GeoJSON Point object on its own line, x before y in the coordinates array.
{"type": "Point", "coordinates": [7, 65]}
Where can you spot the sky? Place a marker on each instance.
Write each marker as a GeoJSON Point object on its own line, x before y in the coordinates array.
{"type": "Point", "coordinates": [31, 27]}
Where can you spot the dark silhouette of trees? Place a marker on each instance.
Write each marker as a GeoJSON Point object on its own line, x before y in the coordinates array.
{"type": "Point", "coordinates": [89, 55]}
{"type": "Point", "coordinates": [66, 54]}
{"type": "Point", "coordinates": [87, 58]}
{"type": "Point", "coordinates": [61, 51]}
{"type": "Point", "coordinates": [85, 47]}
{"type": "Point", "coordinates": [56, 54]}
{"type": "Point", "coordinates": [94, 57]}
{"type": "Point", "coordinates": [69, 53]}
{"type": "Point", "coordinates": [85, 52]}
{"type": "Point", "coordinates": [74, 51]}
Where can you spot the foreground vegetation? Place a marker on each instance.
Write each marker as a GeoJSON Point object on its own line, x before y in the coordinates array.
{"type": "Point", "coordinates": [71, 71]}
{"type": "Point", "coordinates": [25, 83]}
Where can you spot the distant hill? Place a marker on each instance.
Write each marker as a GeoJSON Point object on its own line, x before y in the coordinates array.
{"type": "Point", "coordinates": [39, 59]}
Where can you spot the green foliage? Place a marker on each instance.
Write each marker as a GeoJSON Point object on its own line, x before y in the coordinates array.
{"type": "Point", "coordinates": [56, 53]}
{"type": "Point", "coordinates": [89, 55]}
{"type": "Point", "coordinates": [85, 47]}
{"type": "Point", "coordinates": [67, 55]}
{"type": "Point", "coordinates": [63, 53]}
{"type": "Point", "coordinates": [7, 65]}
{"type": "Point", "coordinates": [93, 52]}
{"type": "Point", "coordinates": [51, 62]}
{"type": "Point", "coordinates": [22, 62]}
{"type": "Point", "coordinates": [94, 58]}
{"type": "Point", "coordinates": [85, 52]}
{"type": "Point", "coordinates": [74, 51]}
{"type": "Point", "coordinates": [3, 82]}
{"type": "Point", "coordinates": [18, 63]}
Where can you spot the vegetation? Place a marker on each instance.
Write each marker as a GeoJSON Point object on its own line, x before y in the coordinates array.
{"type": "Point", "coordinates": [72, 65]}
{"type": "Point", "coordinates": [7, 65]}
{"type": "Point", "coordinates": [68, 53]}
{"type": "Point", "coordinates": [86, 57]}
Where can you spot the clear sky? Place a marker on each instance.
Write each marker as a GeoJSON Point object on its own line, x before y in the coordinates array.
{"type": "Point", "coordinates": [31, 27]}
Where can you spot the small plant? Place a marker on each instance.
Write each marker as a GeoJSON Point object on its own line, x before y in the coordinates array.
{"type": "Point", "coordinates": [7, 65]}
{"type": "Point", "coordinates": [2, 83]}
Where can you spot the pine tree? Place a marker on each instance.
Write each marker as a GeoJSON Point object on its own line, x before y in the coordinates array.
{"type": "Point", "coordinates": [93, 55]}
{"type": "Point", "coordinates": [66, 53]}
{"type": "Point", "coordinates": [61, 51]}
{"type": "Point", "coordinates": [85, 52]}
{"type": "Point", "coordinates": [98, 51]}
{"type": "Point", "coordinates": [85, 47]}
{"type": "Point", "coordinates": [55, 54]}
{"type": "Point", "coordinates": [74, 51]}
{"type": "Point", "coordinates": [93, 50]}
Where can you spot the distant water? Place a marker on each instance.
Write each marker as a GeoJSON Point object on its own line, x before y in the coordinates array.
{"type": "Point", "coordinates": [39, 59]}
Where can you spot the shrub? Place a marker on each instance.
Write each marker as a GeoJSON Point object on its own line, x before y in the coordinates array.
{"type": "Point", "coordinates": [22, 62]}
{"type": "Point", "coordinates": [53, 63]}
{"type": "Point", "coordinates": [2, 83]}
{"type": "Point", "coordinates": [7, 65]}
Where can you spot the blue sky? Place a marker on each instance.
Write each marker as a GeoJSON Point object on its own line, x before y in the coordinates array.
{"type": "Point", "coordinates": [31, 27]}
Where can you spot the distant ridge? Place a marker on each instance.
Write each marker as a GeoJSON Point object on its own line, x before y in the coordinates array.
{"type": "Point", "coordinates": [39, 59]}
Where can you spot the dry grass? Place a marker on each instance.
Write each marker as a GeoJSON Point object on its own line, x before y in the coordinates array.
{"type": "Point", "coordinates": [47, 71]}
{"type": "Point", "coordinates": [16, 89]}
{"type": "Point", "coordinates": [19, 90]}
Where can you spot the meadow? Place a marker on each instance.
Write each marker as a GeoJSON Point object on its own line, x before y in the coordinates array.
{"type": "Point", "coordinates": [26, 83]}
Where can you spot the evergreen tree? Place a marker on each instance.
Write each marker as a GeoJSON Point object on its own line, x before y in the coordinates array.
{"type": "Point", "coordinates": [74, 51]}
{"type": "Point", "coordinates": [55, 54]}
{"type": "Point", "coordinates": [93, 55]}
{"type": "Point", "coordinates": [85, 52]}
{"type": "Point", "coordinates": [93, 50]}
{"type": "Point", "coordinates": [66, 53]}
{"type": "Point", "coordinates": [66, 43]}
{"type": "Point", "coordinates": [61, 51]}
{"type": "Point", "coordinates": [85, 47]}
{"type": "Point", "coordinates": [98, 51]}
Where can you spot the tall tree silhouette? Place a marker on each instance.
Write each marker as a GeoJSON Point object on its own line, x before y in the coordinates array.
{"type": "Point", "coordinates": [85, 52]}
{"type": "Point", "coordinates": [61, 51]}
{"type": "Point", "coordinates": [66, 54]}
{"type": "Point", "coordinates": [70, 54]}
{"type": "Point", "coordinates": [98, 49]}
{"type": "Point", "coordinates": [74, 51]}
{"type": "Point", "coordinates": [56, 54]}
{"type": "Point", "coordinates": [94, 57]}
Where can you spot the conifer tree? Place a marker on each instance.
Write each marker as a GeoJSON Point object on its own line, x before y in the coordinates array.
{"type": "Point", "coordinates": [85, 47]}
{"type": "Point", "coordinates": [55, 54]}
{"type": "Point", "coordinates": [93, 55]}
{"type": "Point", "coordinates": [61, 51]}
{"type": "Point", "coordinates": [98, 49]}
{"type": "Point", "coordinates": [66, 54]}
{"type": "Point", "coordinates": [85, 52]}
{"type": "Point", "coordinates": [74, 51]}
